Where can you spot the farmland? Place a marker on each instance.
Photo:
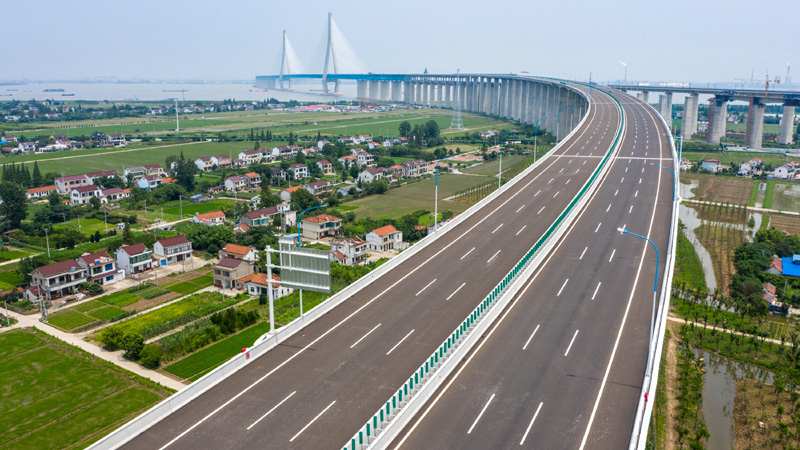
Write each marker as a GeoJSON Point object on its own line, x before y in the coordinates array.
{"type": "Point", "coordinates": [713, 188]}
{"type": "Point", "coordinates": [75, 399]}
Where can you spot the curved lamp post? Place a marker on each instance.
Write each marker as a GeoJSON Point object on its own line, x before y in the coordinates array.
{"type": "Point", "coordinates": [674, 178]}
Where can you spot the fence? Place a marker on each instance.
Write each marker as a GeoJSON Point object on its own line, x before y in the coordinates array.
{"type": "Point", "coordinates": [395, 414]}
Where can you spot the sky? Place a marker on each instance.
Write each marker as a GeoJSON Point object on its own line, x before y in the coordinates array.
{"type": "Point", "coordinates": [677, 41]}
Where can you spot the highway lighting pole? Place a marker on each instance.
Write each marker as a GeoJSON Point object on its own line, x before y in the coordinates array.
{"type": "Point", "coordinates": [558, 120]}
{"type": "Point", "coordinates": [436, 197]}
{"type": "Point", "coordinates": [500, 171]}
{"type": "Point", "coordinates": [48, 242]}
{"type": "Point", "coordinates": [300, 221]}
{"type": "Point", "coordinates": [674, 178]}
{"type": "Point", "coordinates": [653, 315]}
{"type": "Point", "coordinates": [535, 134]}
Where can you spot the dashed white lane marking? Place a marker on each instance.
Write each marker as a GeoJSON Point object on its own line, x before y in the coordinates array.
{"type": "Point", "coordinates": [401, 341]}
{"type": "Point", "coordinates": [540, 211]}
{"type": "Point", "coordinates": [273, 409]}
{"type": "Point", "coordinates": [368, 333]}
{"type": "Point", "coordinates": [562, 287]}
{"type": "Point", "coordinates": [596, 289]}
{"type": "Point", "coordinates": [493, 256]}
{"type": "Point", "coordinates": [426, 287]}
{"type": "Point", "coordinates": [520, 208]}
{"type": "Point", "coordinates": [481, 414]}
{"type": "Point", "coordinates": [531, 424]}
{"type": "Point", "coordinates": [529, 339]}
{"type": "Point", "coordinates": [612, 255]}
{"type": "Point", "coordinates": [465, 254]}
{"type": "Point", "coordinates": [583, 252]}
{"type": "Point", "coordinates": [520, 230]}
{"type": "Point", "coordinates": [498, 227]}
{"type": "Point", "coordinates": [598, 227]}
{"type": "Point", "coordinates": [454, 292]}
{"type": "Point", "coordinates": [312, 421]}
{"type": "Point", "coordinates": [571, 342]}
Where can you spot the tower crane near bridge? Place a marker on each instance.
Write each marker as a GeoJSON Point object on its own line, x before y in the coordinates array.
{"type": "Point", "coordinates": [766, 82]}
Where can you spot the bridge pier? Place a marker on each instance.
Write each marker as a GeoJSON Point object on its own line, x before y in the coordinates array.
{"type": "Point", "coordinates": [408, 92]}
{"type": "Point", "coordinates": [373, 89]}
{"type": "Point", "coordinates": [689, 123]}
{"type": "Point", "coordinates": [439, 93]}
{"type": "Point", "coordinates": [787, 125]}
{"type": "Point", "coordinates": [383, 87]}
{"type": "Point", "coordinates": [665, 107]}
{"type": "Point", "coordinates": [717, 115]}
{"type": "Point", "coordinates": [361, 89]}
{"type": "Point", "coordinates": [447, 102]}
{"type": "Point", "coordinates": [755, 123]}
{"type": "Point", "coordinates": [397, 90]}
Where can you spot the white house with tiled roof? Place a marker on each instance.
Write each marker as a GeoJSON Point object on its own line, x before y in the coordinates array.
{"type": "Point", "coordinates": [385, 238]}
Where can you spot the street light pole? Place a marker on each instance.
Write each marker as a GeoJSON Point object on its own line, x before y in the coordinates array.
{"type": "Point", "coordinates": [536, 134]}
{"type": "Point", "coordinates": [653, 314]}
{"type": "Point", "coordinates": [48, 242]}
{"type": "Point", "coordinates": [674, 178]}
{"type": "Point", "coordinates": [500, 171]}
{"type": "Point", "coordinates": [436, 197]}
{"type": "Point", "coordinates": [300, 221]}
{"type": "Point", "coordinates": [180, 199]}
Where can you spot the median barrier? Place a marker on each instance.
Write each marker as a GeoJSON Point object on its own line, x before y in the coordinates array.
{"type": "Point", "coordinates": [386, 424]}
{"type": "Point", "coordinates": [268, 341]}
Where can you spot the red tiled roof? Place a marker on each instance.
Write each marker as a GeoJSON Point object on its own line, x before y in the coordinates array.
{"type": "Point", "coordinates": [41, 189]}
{"type": "Point", "coordinates": [92, 257]}
{"type": "Point", "coordinates": [260, 278]}
{"type": "Point", "coordinates": [230, 263]}
{"type": "Point", "coordinates": [210, 215]}
{"type": "Point", "coordinates": [237, 249]}
{"type": "Point", "coordinates": [59, 267]}
{"type": "Point", "coordinates": [322, 218]}
{"type": "Point", "coordinates": [383, 231]}
{"type": "Point", "coordinates": [175, 240]}
{"type": "Point", "coordinates": [134, 249]}
{"type": "Point", "coordinates": [777, 263]}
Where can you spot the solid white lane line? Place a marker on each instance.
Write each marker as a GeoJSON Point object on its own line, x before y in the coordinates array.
{"type": "Point", "coordinates": [612, 255]}
{"type": "Point", "coordinates": [609, 207]}
{"type": "Point", "coordinates": [571, 342]}
{"type": "Point", "coordinates": [520, 208]}
{"type": "Point", "coordinates": [529, 339]}
{"type": "Point", "coordinates": [498, 227]}
{"type": "Point", "coordinates": [465, 254]}
{"type": "Point", "coordinates": [596, 289]}
{"type": "Point", "coordinates": [493, 256]}
{"type": "Point", "coordinates": [401, 341]}
{"type": "Point", "coordinates": [531, 424]}
{"type": "Point", "coordinates": [616, 192]}
{"type": "Point", "coordinates": [426, 287]}
{"type": "Point", "coordinates": [583, 252]}
{"type": "Point", "coordinates": [630, 210]}
{"type": "Point", "coordinates": [481, 413]}
{"type": "Point", "coordinates": [454, 292]}
{"type": "Point", "coordinates": [540, 211]}
{"type": "Point", "coordinates": [562, 287]}
{"type": "Point", "coordinates": [554, 196]}
{"type": "Point", "coordinates": [312, 421]}
{"type": "Point", "coordinates": [368, 333]}
{"type": "Point", "coordinates": [520, 230]}
{"type": "Point", "coordinates": [270, 411]}
{"type": "Point", "coordinates": [598, 227]}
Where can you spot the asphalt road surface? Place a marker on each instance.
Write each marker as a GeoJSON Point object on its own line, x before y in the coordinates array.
{"type": "Point", "coordinates": [563, 367]}
{"type": "Point", "coordinates": [318, 387]}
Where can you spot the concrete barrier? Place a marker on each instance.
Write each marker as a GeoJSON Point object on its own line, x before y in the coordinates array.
{"type": "Point", "coordinates": [385, 426]}
{"type": "Point", "coordinates": [266, 342]}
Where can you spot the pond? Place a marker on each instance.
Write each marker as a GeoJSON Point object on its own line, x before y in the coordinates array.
{"type": "Point", "coordinates": [689, 218]}
{"type": "Point", "coordinates": [719, 391]}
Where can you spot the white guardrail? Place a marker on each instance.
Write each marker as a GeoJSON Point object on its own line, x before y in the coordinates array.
{"type": "Point", "coordinates": [386, 424]}
{"type": "Point", "coordinates": [266, 342]}
{"type": "Point", "coordinates": [644, 409]}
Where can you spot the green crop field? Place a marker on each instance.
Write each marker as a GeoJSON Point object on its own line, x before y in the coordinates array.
{"type": "Point", "coordinates": [216, 354]}
{"type": "Point", "coordinates": [191, 286]}
{"type": "Point", "coordinates": [86, 226]}
{"type": "Point", "coordinates": [56, 396]}
{"type": "Point", "coordinates": [7, 279]}
{"type": "Point", "coordinates": [69, 319]}
{"type": "Point", "coordinates": [121, 299]}
{"type": "Point", "coordinates": [106, 312]}
{"type": "Point", "coordinates": [90, 305]}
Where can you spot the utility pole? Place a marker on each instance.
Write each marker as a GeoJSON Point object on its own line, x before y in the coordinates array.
{"type": "Point", "coordinates": [177, 119]}
{"type": "Point", "coordinates": [48, 242]}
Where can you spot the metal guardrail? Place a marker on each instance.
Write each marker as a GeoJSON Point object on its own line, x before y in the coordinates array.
{"type": "Point", "coordinates": [430, 374]}
{"type": "Point", "coordinates": [644, 408]}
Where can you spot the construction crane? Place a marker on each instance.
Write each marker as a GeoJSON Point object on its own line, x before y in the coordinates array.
{"type": "Point", "coordinates": [766, 82]}
{"type": "Point", "coordinates": [182, 91]}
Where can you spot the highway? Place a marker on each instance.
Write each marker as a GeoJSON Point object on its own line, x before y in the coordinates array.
{"type": "Point", "coordinates": [319, 386]}
{"type": "Point", "coordinates": [563, 366]}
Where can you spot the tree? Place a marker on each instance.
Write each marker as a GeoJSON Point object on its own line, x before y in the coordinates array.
{"type": "Point", "coordinates": [302, 199]}
{"type": "Point", "coordinates": [132, 343]}
{"type": "Point", "coordinates": [431, 130]}
{"type": "Point", "coordinates": [37, 175]}
{"type": "Point", "coordinates": [15, 204]}
{"type": "Point", "coordinates": [111, 338]}
{"type": "Point", "coordinates": [354, 170]}
{"type": "Point", "coordinates": [269, 198]}
{"type": "Point", "coordinates": [184, 173]}
{"type": "Point", "coordinates": [54, 199]}
{"type": "Point", "coordinates": [291, 138]}
{"type": "Point", "coordinates": [150, 356]}
{"type": "Point", "coordinates": [95, 202]}
{"type": "Point", "coordinates": [405, 129]}
{"type": "Point", "coordinates": [262, 299]}
{"type": "Point", "coordinates": [300, 158]}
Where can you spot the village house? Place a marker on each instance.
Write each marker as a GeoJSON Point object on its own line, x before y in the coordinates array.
{"type": "Point", "coordinates": [113, 194]}
{"type": "Point", "coordinates": [285, 151]}
{"type": "Point", "coordinates": [118, 140]}
{"type": "Point", "coordinates": [363, 158]}
{"type": "Point", "coordinates": [267, 216]}
{"type": "Point", "coordinates": [134, 258]}
{"type": "Point", "coordinates": [286, 194]}
{"type": "Point", "coordinates": [209, 218]}
{"type": "Point", "coordinates": [149, 182]}
{"type": "Point", "coordinates": [318, 188]}
{"type": "Point", "coordinates": [300, 171]}
{"type": "Point", "coordinates": [243, 252]}
{"type": "Point", "coordinates": [94, 176]}
{"type": "Point", "coordinates": [154, 169]}
{"type": "Point", "coordinates": [221, 161]}
{"type": "Point", "coordinates": [204, 164]}
{"type": "Point", "coordinates": [258, 283]}
{"type": "Point", "coordinates": [386, 238]}
{"type": "Point", "coordinates": [277, 175]}
{"type": "Point", "coordinates": [349, 251]}
{"type": "Point", "coordinates": [56, 280]}
{"type": "Point", "coordinates": [348, 160]}
{"type": "Point", "coordinates": [253, 156]}
{"type": "Point", "coordinates": [172, 250]}
{"type": "Point", "coordinates": [326, 167]}
{"type": "Point", "coordinates": [228, 271]}
{"type": "Point", "coordinates": [83, 195]}
{"type": "Point", "coordinates": [370, 175]}
{"type": "Point", "coordinates": [234, 184]}
{"type": "Point", "coordinates": [252, 180]}
{"type": "Point", "coordinates": [40, 192]}
{"type": "Point", "coordinates": [100, 267]}
{"type": "Point", "coordinates": [320, 226]}
{"type": "Point", "coordinates": [783, 172]}
{"type": "Point", "coordinates": [65, 184]}
{"type": "Point", "coordinates": [134, 173]}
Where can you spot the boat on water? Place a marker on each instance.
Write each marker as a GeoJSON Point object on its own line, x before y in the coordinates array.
{"type": "Point", "coordinates": [53, 90]}
{"type": "Point", "coordinates": [259, 90]}
{"type": "Point", "coordinates": [68, 95]}
{"type": "Point", "coordinates": [11, 89]}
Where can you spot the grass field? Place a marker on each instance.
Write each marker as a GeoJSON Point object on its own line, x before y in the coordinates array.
{"type": "Point", "coordinates": [55, 396]}
{"type": "Point", "coordinates": [688, 268]}
{"type": "Point", "coordinates": [8, 279]}
{"type": "Point", "coordinates": [736, 157]}
{"type": "Point", "coordinates": [86, 226]}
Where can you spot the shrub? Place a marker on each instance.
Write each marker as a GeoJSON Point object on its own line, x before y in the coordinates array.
{"type": "Point", "coordinates": [132, 343]}
{"type": "Point", "coordinates": [111, 338]}
{"type": "Point", "coordinates": [91, 287]}
{"type": "Point", "coordinates": [140, 287]}
{"type": "Point", "coordinates": [156, 293]}
{"type": "Point", "coordinates": [150, 356]}
{"type": "Point", "coordinates": [262, 299]}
